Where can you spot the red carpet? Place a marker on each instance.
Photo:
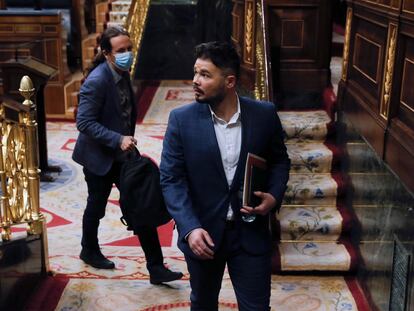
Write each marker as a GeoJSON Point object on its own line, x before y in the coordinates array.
{"type": "Point", "coordinates": [165, 234]}
{"type": "Point", "coordinates": [48, 294]}
{"type": "Point", "coordinates": [144, 97]}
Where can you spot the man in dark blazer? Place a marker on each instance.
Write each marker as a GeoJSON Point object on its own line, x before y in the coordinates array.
{"type": "Point", "coordinates": [106, 120]}
{"type": "Point", "coordinates": [202, 171]}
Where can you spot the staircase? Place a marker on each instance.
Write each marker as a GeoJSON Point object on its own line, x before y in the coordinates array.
{"type": "Point", "coordinates": [315, 223]}
{"type": "Point", "coordinates": [118, 12]}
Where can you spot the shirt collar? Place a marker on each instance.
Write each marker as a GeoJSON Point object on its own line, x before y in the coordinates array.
{"type": "Point", "coordinates": [233, 119]}
{"type": "Point", "coordinates": [116, 75]}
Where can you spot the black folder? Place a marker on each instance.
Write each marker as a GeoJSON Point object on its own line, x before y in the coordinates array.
{"type": "Point", "coordinates": [255, 179]}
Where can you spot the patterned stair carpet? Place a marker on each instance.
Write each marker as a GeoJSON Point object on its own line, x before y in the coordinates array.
{"type": "Point", "coordinates": [312, 225]}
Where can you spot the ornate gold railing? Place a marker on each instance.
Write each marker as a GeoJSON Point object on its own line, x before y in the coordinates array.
{"type": "Point", "coordinates": [263, 79]}
{"type": "Point", "coordinates": [19, 166]}
{"type": "Point", "coordinates": [135, 24]}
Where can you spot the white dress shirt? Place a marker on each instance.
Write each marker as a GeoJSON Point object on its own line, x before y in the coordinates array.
{"type": "Point", "coordinates": [228, 136]}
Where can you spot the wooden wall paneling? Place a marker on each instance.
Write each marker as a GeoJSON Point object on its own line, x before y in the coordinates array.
{"type": "Point", "coordinates": [78, 19]}
{"type": "Point", "coordinates": [399, 149]}
{"type": "Point", "coordinates": [101, 9]}
{"type": "Point", "coordinates": [238, 23]}
{"type": "Point", "coordinates": [408, 6]}
{"type": "Point", "coordinates": [369, 38]}
{"type": "Point", "coordinates": [360, 95]}
{"type": "Point", "coordinates": [407, 10]}
{"type": "Point", "coordinates": [376, 92]}
{"type": "Point", "coordinates": [300, 37]}
{"type": "Point", "coordinates": [42, 37]}
{"type": "Point", "coordinates": [393, 4]}
{"type": "Point", "coordinates": [243, 37]}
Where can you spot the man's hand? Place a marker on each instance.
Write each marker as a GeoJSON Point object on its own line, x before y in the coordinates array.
{"type": "Point", "coordinates": [268, 202]}
{"type": "Point", "coordinates": [128, 143]}
{"type": "Point", "coordinates": [201, 243]}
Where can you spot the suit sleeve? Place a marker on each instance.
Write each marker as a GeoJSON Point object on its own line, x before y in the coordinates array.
{"type": "Point", "coordinates": [279, 161]}
{"type": "Point", "coordinates": [92, 99]}
{"type": "Point", "coordinates": [174, 180]}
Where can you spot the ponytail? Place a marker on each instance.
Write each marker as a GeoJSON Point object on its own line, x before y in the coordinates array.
{"type": "Point", "coordinates": [105, 45]}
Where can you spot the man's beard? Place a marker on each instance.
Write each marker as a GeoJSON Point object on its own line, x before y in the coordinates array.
{"type": "Point", "coordinates": [212, 100]}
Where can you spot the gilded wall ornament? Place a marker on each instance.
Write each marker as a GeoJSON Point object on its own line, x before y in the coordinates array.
{"type": "Point", "coordinates": [345, 58]}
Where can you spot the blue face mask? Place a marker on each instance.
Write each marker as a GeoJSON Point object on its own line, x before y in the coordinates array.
{"type": "Point", "coordinates": [123, 61]}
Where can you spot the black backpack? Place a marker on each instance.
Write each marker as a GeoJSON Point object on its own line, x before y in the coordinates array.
{"type": "Point", "coordinates": [141, 199]}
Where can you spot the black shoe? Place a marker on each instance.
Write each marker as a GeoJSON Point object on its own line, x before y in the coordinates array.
{"type": "Point", "coordinates": [95, 259]}
{"type": "Point", "coordinates": [161, 274]}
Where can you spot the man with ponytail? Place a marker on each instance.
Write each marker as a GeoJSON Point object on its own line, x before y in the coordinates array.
{"type": "Point", "coordinates": [106, 120]}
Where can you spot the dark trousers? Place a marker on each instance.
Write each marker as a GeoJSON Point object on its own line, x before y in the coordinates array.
{"type": "Point", "coordinates": [99, 188]}
{"type": "Point", "coordinates": [250, 276]}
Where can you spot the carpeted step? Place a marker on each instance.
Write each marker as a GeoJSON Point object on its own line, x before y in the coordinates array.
{"type": "Point", "coordinates": [313, 156]}
{"type": "Point", "coordinates": [311, 222]}
{"type": "Point", "coordinates": [118, 17]}
{"type": "Point", "coordinates": [312, 124]}
{"type": "Point", "coordinates": [314, 256]}
{"type": "Point", "coordinates": [313, 189]}
{"type": "Point", "coordinates": [120, 6]}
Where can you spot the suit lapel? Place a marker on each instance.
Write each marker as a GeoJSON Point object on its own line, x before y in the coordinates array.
{"type": "Point", "coordinates": [245, 141]}
{"type": "Point", "coordinates": [112, 88]}
{"type": "Point", "coordinates": [207, 128]}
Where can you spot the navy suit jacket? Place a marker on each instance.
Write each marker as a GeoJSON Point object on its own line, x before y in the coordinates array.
{"type": "Point", "coordinates": [99, 121]}
{"type": "Point", "coordinates": [193, 179]}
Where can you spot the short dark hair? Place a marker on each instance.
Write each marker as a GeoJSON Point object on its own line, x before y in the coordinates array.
{"type": "Point", "coordinates": [222, 54]}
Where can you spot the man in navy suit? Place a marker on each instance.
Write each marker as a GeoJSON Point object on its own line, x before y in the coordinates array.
{"type": "Point", "coordinates": [106, 120]}
{"type": "Point", "coordinates": [202, 172]}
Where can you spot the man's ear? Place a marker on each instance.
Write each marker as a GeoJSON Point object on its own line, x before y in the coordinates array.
{"type": "Point", "coordinates": [231, 81]}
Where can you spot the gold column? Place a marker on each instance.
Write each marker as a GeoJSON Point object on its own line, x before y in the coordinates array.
{"type": "Point", "coordinates": [19, 165]}
{"type": "Point", "coordinates": [135, 25]}
{"type": "Point", "coordinates": [261, 88]}
{"type": "Point", "coordinates": [4, 207]}
{"type": "Point", "coordinates": [249, 39]}
{"type": "Point", "coordinates": [345, 58]}
{"type": "Point", "coordinates": [388, 72]}
{"type": "Point", "coordinates": [28, 120]}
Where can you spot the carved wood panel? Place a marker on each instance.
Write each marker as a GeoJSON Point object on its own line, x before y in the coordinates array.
{"type": "Point", "coordinates": [369, 41]}
{"type": "Point", "coordinates": [238, 23]}
{"type": "Point", "coordinates": [42, 37]}
{"type": "Point", "coordinates": [377, 92]}
{"type": "Point", "coordinates": [395, 4]}
{"type": "Point", "coordinates": [399, 148]}
{"type": "Point", "coordinates": [294, 32]}
{"type": "Point", "coordinates": [300, 39]}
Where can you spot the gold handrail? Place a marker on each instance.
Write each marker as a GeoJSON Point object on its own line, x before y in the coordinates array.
{"type": "Point", "coordinates": [263, 79]}
{"type": "Point", "coordinates": [135, 25]}
{"type": "Point", "coordinates": [19, 165]}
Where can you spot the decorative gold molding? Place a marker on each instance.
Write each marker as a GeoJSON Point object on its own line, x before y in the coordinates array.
{"type": "Point", "coordinates": [261, 88]}
{"type": "Point", "coordinates": [248, 33]}
{"type": "Point", "coordinates": [345, 58]}
{"type": "Point", "coordinates": [388, 72]}
{"type": "Point", "coordinates": [19, 165]}
{"type": "Point", "coordinates": [135, 25]}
